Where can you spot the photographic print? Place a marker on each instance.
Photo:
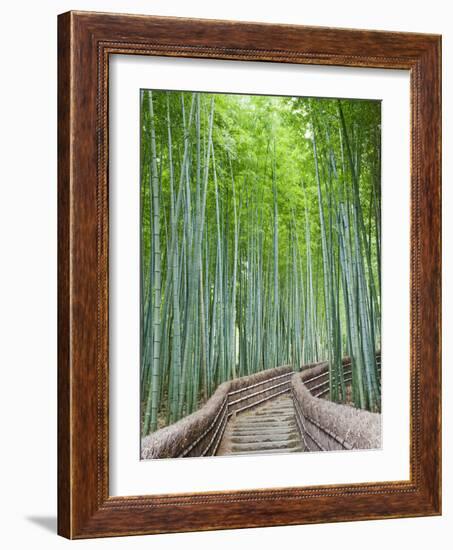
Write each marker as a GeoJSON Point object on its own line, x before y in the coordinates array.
{"type": "Point", "coordinates": [260, 274]}
{"type": "Point", "coordinates": [220, 268]}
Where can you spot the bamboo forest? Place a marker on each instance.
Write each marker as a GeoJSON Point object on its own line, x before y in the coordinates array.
{"type": "Point", "coordinates": [260, 245]}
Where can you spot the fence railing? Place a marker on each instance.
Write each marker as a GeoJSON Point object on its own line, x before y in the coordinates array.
{"type": "Point", "coordinates": [326, 426]}
{"type": "Point", "coordinates": [319, 385]}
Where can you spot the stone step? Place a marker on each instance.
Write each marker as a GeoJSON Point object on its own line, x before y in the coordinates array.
{"type": "Point", "coordinates": [275, 406]}
{"type": "Point", "coordinates": [266, 426]}
{"type": "Point", "coordinates": [269, 445]}
{"type": "Point", "coordinates": [264, 438]}
{"type": "Point", "coordinates": [266, 429]}
{"type": "Point", "coordinates": [265, 420]}
{"type": "Point", "coordinates": [269, 452]}
{"type": "Point", "coordinates": [272, 431]}
{"type": "Point", "coordinates": [272, 413]}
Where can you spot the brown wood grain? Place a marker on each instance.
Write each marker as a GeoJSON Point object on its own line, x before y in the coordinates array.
{"type": "Point", "coordinates": [85, 41]}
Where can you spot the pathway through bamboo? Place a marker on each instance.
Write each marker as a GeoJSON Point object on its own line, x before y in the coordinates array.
{"type": "Point", "coordinates": [269, 428]}
{"type": "Point", "coordinates": [275, 411]}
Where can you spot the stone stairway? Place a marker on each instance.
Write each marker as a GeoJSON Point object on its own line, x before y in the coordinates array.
{"type": "Point", "coordinates": [266, 429]}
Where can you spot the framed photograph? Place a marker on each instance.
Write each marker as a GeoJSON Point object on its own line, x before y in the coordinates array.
{"type": "Point", "coordinates": [249, 275]}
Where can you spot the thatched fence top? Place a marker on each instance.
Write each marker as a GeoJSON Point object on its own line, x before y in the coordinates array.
{"type": "Point", "coordinates": [327, 426]}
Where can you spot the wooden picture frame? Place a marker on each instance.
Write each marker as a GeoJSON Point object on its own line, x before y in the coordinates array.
{"type": "Point", "coordinates": [85, 42]}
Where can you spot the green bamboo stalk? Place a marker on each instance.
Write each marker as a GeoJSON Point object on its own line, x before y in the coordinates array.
{"type": "Point", "coordinates": [150, 420]}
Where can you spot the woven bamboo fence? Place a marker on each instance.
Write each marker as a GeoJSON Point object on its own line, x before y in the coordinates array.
{"type": "Point", "coordinates": [327, 426]}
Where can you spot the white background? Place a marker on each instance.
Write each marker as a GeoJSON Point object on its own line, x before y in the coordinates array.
{"type": "Point", "coordinates": [28, 270]}
{"type": "Point", "coordinates": [130, 476]}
